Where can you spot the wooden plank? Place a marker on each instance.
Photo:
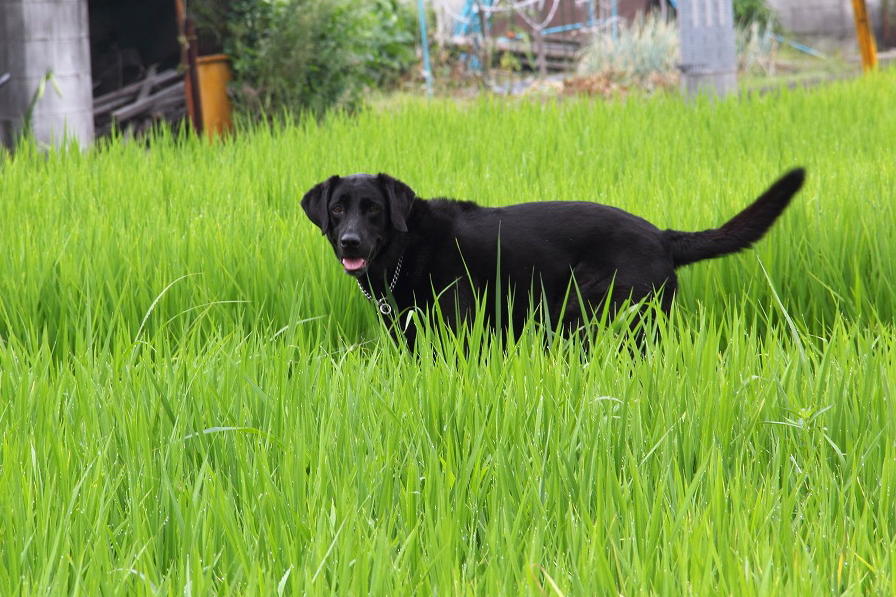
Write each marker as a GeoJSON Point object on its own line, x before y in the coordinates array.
{"type": "Point", "coordinates": [559, 56]}
{"type": "Point", "coordinates": [109, 105]}
{"type": "Point", "coordinates": [159, 80]}
{"type": "Point", "coordinates": [147, 83]}
{"type": "Point", "coordinates": [148, 102]}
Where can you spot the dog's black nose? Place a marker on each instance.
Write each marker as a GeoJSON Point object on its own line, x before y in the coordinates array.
{"type": "Point", "coordinates": [349, 240]}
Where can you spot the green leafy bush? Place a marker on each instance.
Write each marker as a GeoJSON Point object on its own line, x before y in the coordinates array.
{"type": "Point", "coordinates": [649, 45]}
{"type": "Point", "coordinates": [647, 51]}
{"type": "Point", "coordinates": [390, 27]}
{"type": "Point", "coordinates": [306, 55]}
{"type": "Point", "coordinates": [750, 11]}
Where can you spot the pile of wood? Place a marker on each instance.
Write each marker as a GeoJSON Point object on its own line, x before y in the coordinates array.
{"type": "Point", "coordinates": [134, 108]}
{"type": "Point", "coordinates": [558, 53]}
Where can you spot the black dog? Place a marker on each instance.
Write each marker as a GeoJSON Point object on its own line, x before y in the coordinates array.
{"type": "Point", "coordinates": [560, 256]}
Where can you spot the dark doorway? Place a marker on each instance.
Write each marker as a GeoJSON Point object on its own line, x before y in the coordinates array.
{"type": "Point", "coordinates": [127, 37]}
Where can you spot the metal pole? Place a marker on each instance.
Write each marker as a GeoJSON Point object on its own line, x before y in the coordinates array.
{"type": "Point", "coordinates": [485, 59]}
{"type": "Point", "coordinates": [614, 15]}
{"type": "Point", "coordinates": [864, 35]}
{"type": "Point", "coordinates": [424, 41]}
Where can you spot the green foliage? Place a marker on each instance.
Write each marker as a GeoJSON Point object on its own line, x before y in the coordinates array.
{"type": "Point", "coordinates": [391, 27]}
{"type": "Point", "coordinates": [750, 11]}
{"type": "Point", "coordinates": [196, 400]}
{"type": "Point", "coordinates": [649, 45]}
{"type": "Point", "coordinates": [307, 55]}
{"type": "Point", "coordinates": [756, 48]}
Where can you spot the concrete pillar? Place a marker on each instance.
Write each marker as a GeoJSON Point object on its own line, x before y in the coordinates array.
{"type": "Point", "coordinates": [39, 37]}
{"type": "Point", "coordinates": [708, 47]}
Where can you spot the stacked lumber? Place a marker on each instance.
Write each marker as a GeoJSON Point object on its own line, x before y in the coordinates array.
{"type": "Point", "coordinates": [135, 107]}
{"type": "Point", "coordinates": [560, 54]}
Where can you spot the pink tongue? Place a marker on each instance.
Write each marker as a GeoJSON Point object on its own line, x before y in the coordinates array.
{"type": "Point", "coordinates": [353, 264]}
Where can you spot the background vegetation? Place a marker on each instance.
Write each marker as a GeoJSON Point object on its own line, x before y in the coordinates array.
{"type": "Point", "coordinates": [296, 56]}
{"type": "Point", "coordinates": [306, 55]}
{"type": "Point", "coordinates": [752, 11]}
{"type": "Point", "coordinates": [194, 399]}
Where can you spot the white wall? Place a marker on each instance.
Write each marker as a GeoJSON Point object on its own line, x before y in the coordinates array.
{"type": "Point", "coordinates": [822, 17]}
{"type": "Point", "coordinates": [37, 36]}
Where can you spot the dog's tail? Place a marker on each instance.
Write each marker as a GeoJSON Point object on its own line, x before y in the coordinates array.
{"type": "Point", "coordinates": [741, 231]}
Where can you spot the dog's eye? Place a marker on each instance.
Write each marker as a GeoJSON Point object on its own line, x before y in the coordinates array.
{"type": "Point", "coordinates": [374, 209]}
{"type": "Point", "coordinates": [337, 210]}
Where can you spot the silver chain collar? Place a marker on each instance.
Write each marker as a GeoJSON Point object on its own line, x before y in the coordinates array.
{"type": "Point", "coordinates": [383, 303]}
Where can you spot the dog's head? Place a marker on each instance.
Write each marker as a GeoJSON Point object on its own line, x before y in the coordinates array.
{"type": "Point", "coordinates": [360, 215]}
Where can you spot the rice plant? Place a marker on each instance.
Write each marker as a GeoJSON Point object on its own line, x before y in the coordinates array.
{"type": "Point", "coordinates": [195, 400]}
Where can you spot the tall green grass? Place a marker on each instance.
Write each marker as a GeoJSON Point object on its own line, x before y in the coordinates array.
{"type": "Point", "coordinates": [194, 399]}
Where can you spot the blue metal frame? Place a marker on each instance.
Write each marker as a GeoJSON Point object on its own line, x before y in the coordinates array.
{"type": "Point", "coordinates": [801, 47]}
{"type": "Point", "coordinates": [424, 42]}
{"type": "Point", "coordinates": [470, 24]}
{"type": "Point", "coordinates": [562, 28]}
{"type": "Point", "coordinates": [614, 14]}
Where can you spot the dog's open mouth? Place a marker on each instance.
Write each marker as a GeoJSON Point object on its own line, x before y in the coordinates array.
{"type": "Point", "coordinates": [354, 264]}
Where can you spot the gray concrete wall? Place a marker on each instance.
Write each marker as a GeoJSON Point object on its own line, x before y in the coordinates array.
{"type": "Point", "coordinates": [708, 49]}
{"type": "Point", "coordinates": [37, 37]}
{"type": "Point", "coordinates": [823, 17]}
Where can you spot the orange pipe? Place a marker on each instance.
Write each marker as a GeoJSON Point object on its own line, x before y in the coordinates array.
{"type": "Point", "coordinates": [214, 74]}
{"type": "Point", "coordinates": [865, 37]}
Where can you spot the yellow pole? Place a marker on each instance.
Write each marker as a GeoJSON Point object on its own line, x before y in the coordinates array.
{"type": "Point", "coordinates": [214, 74]}
{"type": "Point", "coordinates": [864, 35]}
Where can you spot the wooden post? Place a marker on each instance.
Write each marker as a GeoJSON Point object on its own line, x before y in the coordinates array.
{"type": "Point", "coordinates": [864, 35]}
{"type": "Point", "coordinates": [541, 49]}
{"type": "Point", "coordinates": [188, 56]}
{"type": "Point", "coordinates": [485, 55]}
{"type": "Point", "coordinates": [887, 29]}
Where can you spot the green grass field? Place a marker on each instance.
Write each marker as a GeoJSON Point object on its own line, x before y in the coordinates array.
{"type": "Point", "coordinates": [195, 400]}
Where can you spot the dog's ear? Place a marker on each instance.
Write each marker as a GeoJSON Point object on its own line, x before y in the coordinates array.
{"type": "Point", "coordinates": [315, 203]}
{"type": "Point", "coordinates": [400, 198]}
